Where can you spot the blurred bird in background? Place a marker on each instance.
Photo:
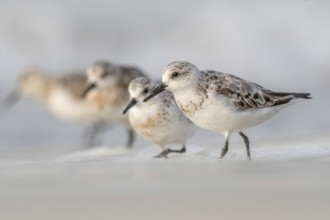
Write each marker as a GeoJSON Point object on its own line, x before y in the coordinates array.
{"type": "Point", "coordinates": [107, 90]}
{"type": "Point", "coordinates": [61, 95]}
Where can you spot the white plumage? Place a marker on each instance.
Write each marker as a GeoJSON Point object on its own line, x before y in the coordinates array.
{"type": "Point", "coordinates": [222, 102]}
{"type": "Point", "coordinates": [159, 121]}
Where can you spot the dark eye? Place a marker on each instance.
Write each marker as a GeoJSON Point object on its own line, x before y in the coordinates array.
{"type": "Point", "coordinates": [175, 74]}
{"type": "Point", "coordinates": [146, 91]}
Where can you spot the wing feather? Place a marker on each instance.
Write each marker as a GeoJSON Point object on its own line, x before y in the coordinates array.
{"type": "Point", "coordinates": [244, 94]}
{"type": "Point", "coordinates": [75, 83]}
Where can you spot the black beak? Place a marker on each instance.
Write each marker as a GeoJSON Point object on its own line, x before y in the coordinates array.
{"type": "Point", "coordinates": [130, 105]}
{"type": "Point", "coordinates": [88, 88]}
{"type": "Point", "coordinates": [11, 99]}
{"type": "Point", "coordinates": [156, 91]}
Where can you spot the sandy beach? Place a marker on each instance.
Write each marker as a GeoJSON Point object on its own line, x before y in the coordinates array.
{"type": "Point", "coordinates": [282, 182]}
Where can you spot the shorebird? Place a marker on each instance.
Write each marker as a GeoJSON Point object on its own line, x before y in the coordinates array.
{"type": "Point", "coordinates": [61, 95]}
{"type": "Point", "coordinates": [221, 102]}
{"type": "Point", "coordinates": [107, 90]}
{"type": "Point", "coordinates": [159, 121]}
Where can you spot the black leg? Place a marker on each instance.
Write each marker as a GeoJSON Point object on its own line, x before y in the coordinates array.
{"type": "Point", "coordinates": [90, 134]}
{"type": "Point", "coordinates": [164, 153]}
{"type": "Point", "coordinates": [247, 144]}
{"type": "Point", "coordinates": [225, 148]}
{"type": "Point", "coordinates": [131, 138]}
{"type": "Point", "coordinates": [181, 151]}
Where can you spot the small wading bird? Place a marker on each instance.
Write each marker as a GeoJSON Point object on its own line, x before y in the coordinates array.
{"type": "Point", "coordinates": [159, 121]}
{"type": "Point", "coordinates": [107, 90]}
{"type": "Point", "coordinates": [61, 95]}
{"type": "Point", "coordinates": [222, 102]}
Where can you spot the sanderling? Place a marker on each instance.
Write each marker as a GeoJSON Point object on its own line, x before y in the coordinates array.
{"type": "Point", "coordinates": [222, 102]}
{"type": "Point", "coordinates": [61, 95]}
{"type": "Point", "coordinates": [108, 91]}
{"type": "Point", "coordinates": [159, 121]}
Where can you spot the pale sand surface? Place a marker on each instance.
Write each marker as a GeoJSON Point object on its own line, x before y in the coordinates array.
{"type": "Point", "coordinates": [287, 181]}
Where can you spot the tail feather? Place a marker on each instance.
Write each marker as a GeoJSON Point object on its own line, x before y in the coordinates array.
{"type": "Point", "coordinates": [294, 94]}
{"type": "Point", "coordinates": [280, 98]}
{"type": "Point", "coordinates": [10, 100]}
{"type": "Point", "coordinates": [302, 95]}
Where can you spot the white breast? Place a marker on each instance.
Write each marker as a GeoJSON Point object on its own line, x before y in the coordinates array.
{"type": "Point", "coordinates": [64, 106]}
{"type": "Point", "coordinates": [161, 125]}
{"type": "Point", "coordinates": [115, 115]}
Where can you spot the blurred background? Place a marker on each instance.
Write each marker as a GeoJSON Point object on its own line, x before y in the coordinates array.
{"type": "Point", "coordinates": [282, 45]}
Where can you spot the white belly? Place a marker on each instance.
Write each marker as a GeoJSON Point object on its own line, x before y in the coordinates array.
{"type": "Point", "coordinates": [115, 115]}
{"type": "Point", "coordinates": [220, 115]}
{"type": "Point", "coordinates": [174, 128]}
{"type": "Point", "coordinates": [65, 107]}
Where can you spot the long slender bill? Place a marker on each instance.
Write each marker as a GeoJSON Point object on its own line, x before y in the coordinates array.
{"type": "Point", "coordinates": [156, 91]}
{"type": "Point", "coordinates": [130, 105]}
{"type": "Point", "coordinates": [88, 88]}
